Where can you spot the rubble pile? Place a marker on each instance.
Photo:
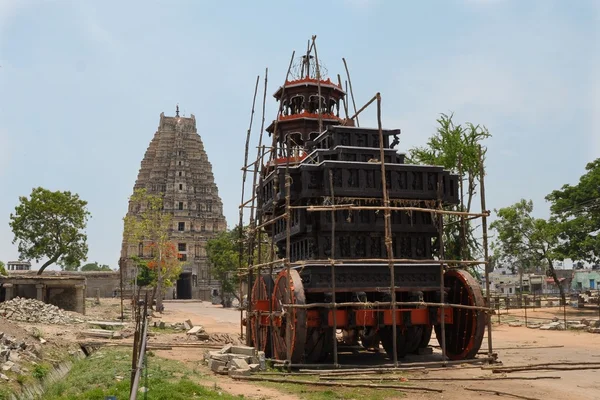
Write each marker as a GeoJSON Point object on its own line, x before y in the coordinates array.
{"type": "Point", "coordinates": [557, 325]}
{"type": "Point", "coordinates": [35, 311]}
{"type": "Point", "coordinates": [235, 360]}
{"type": "Point", "coordinates": [13, 353]}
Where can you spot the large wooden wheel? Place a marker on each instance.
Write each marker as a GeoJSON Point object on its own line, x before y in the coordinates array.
{"type": "Point", "coordinates": [465, 334]}
{"type": "Point", "coordinates": [289, 336]}
{"type": "Point", "coordinates": [261, 333]}
{"type": "Point", "coordinates": [319, 344]}
{"type": "Point", "coordinates": [387, 341]}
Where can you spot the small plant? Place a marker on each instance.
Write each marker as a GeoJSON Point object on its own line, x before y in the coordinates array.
{"type": "Point", "coordinates": [40, 371]}
{"type": "Point", "coordinates": [21, 379]}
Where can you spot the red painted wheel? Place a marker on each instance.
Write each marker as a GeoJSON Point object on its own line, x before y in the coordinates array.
{"type": "Point", "coordinates": [465, 334]}
{"type": "Point", "coordinates": [261, 334]}
{"type": "Point", "coordinates": [289, 336]}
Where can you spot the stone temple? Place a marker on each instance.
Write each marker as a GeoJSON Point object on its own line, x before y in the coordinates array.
{"type": "Point", "coordinates": [176, 167]}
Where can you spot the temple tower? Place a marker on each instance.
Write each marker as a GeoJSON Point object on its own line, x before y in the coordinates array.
{"type": "Point", "coordinates": [176, 167]}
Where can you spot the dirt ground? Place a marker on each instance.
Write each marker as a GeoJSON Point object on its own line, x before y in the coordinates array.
{"type": "Point", "coordinates": [515, 346]}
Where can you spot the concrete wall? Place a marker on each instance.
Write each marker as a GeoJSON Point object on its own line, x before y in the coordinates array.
{"type": "Point", "coordinates": [107, 283]}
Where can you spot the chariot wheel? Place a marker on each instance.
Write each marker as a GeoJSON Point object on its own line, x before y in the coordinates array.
{"type": "Point", "coordinates": [289, 336]}
{"type": "Point", "coordinates": [387, 341]}
{"type": "Point", "coordinates": [261, 333]}
{"type": "Point", "coordinates": [414, 336]}
{"type": "Point", "coordinates": [465, 334]}
{"type": "Point", "coordinates": [319, 344]}
{"type": "Point", "coordinates": [426, 336]}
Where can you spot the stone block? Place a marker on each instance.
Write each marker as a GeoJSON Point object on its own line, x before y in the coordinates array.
{"type": "Point", "coordinates": [195, 330]}
{"type": "Point", "coordinates": [14, 357]}
{"type": "Point", "coordinates": [240, 372]}
{"type": "Point", "coordinates": [187, 324]}
{"type": "Point", "coordinates": [593, 330]}
{"type": "Point", "coordinates": [245, 350]}
{"type": "Point", "coordinates": [254, 367]}
{"type": "Point", "coordinates": [226, 349]}
{"type": "Point", "coordinates": [215, 364]}
{"type": "Point", "coordinates": [4, 377]}
{"type": "Point", "coordinates": [239, 363]}
{"type": "Point", "coordinates": [515, 324]}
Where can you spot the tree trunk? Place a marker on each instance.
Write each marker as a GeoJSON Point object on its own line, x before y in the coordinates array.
{"type": "Point", "coordinates": [556, 282]}
{"type": "Point", "coordinates": [47, 263]}
{"type": "Point", "coordinates": [152, 296]}
{"type": "Point", "coordinates": [159, 285]}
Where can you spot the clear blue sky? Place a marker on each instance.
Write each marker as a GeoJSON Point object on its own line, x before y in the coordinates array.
{"type": "Point", "coordinates": [82, 84]}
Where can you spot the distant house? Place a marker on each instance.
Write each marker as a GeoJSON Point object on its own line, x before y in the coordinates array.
{"type": "Point", "coordinates": [18, 266]}
{"type": "Point", "coordinates": [586, 280]}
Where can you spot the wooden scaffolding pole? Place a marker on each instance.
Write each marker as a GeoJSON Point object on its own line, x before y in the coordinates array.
{"type": "Point", "coordinates": [388, 232]}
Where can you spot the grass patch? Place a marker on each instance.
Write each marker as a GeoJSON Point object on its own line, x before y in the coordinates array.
{"type": "Point", "coordinates": [107, 373]}
{"type": "Point", "coordinates": [156, 329]}
{"type": "Point", "coordinates": [312, 392]}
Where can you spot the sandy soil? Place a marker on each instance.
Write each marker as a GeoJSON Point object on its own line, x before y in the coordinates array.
{"type": "Point", "coordinates": [577, 346]}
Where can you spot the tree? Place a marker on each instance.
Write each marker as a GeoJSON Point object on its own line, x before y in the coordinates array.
{"type": "Point", "coordinates": [234, 249]}
{"type": "Point", "coordinates": [223, 255]}
{"type": "Point", "coordinates": [51, 225]}
{"type": "Point", "coordinates": [3, 269]}
{"type": "Point", "coordinates": [526, 240]}
{"type": "Point", "coordinates": [95, 267]}
{"type": "Point", "coordinates": [150, 224]}
{"type": "Point", "coordinates": [456, 148]}
{"type": "Point", "coordinates": [577, 210]}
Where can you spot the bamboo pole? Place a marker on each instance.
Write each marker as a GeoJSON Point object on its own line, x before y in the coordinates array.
{"type": "Point", "coordinates": [442, 256]}
{"type": "Point", "coordinates": [325, 263]}
{"type": "Point", "coordinates": [397, 260]}
{"type": "Point", "coordinates": [256, 233]}
{"type": "Point", "coordinates": [333, 294]}
{"type": "Point", "coordinates": [387, 303]}
{"type": "Point", "coordinates": [498, 393]}
{"type": "Point", "coordinates": [320, 113]}
{"type": "Point", "coordinates": [485, 248]}
{"type": "Point", "coordinates": [440, 379]}
{"type": "Point", "coordinates": [364, 107]}
{"type": "Point", "coordinates": [326, 368]}
{"type": "Point", "coordinates": [351, 91]}
{"type": "Point", "coordinates": [343, 98]}
{"type": "Point", "coordinates": [241, 215]}
{"type": "Point", "coordinates": [388, 231]}
{"type": "Point", "coordinates": [389, 208]}
{"type": "Point", "coordinates": [336, 384]}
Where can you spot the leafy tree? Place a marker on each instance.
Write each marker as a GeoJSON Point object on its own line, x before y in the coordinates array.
{"type": "Point", "coordinates": [95, 267]}
{"type": "Point", "coordinates": [3, 269]}
{"type": "Point", "coordinates": [526, 240]}
{"type": "Point", "coordinates": [456, 148]}
{"type": "Point", "coordinates": [223, 255]}
{"type": "Point", "coordinates": [150, 224]}
{"type": "Point", "coordinates": [50, 225]}
{"type": "Point", "coordinates": [577, 209]}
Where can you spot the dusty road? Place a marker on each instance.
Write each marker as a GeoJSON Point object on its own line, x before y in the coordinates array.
{"type": "Point", "coordinates": [577, 346]}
